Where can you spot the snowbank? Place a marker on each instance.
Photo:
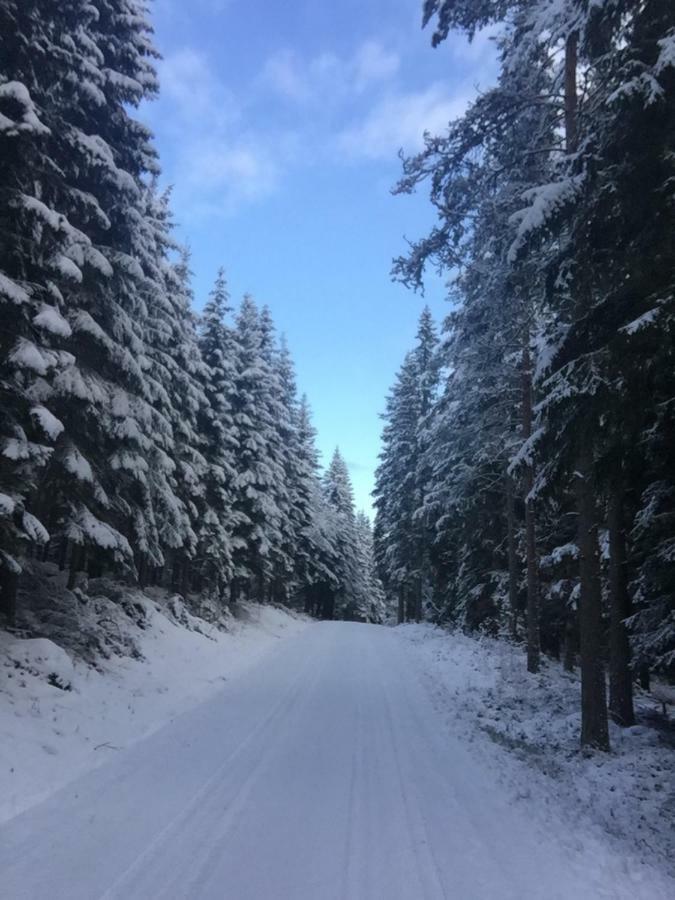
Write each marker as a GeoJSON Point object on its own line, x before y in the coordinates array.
{"type": "Point", "coordinates": [482, 687]}
{"type": "Point", "coordinates": [60, 717]}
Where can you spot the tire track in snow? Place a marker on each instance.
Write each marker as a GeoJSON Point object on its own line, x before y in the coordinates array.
{"type": "Point", "coordinates": [349, 848]}
{"type": "Point", "coordinates": [199, 807]}
{"type": "Point", "coordinates": [204, 866]}
{"type": "Point", "coordinates": [428, 870]}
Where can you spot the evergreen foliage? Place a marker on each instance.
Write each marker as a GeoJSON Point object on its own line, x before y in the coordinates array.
{"type": "Point", "coordinates": [548, 450]}
{"type": "Point", "coordinates": [138, 440]}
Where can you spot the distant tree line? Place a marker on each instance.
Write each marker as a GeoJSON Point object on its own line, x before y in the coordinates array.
{"type": "Point", "coordinates": [527, 479]}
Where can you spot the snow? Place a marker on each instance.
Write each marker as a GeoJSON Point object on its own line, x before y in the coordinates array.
{"type": "Point", "coordinates": [544, 202]}
{"type": "Point", "coordinates": [98, 261]}
{"type": "Point", "coordinates": [29, 123]}
{"type": "Point", "coordinates": [641, 322]}
{"type": "Point", "coordinates": [51, 734]}
{"type": "Point", "coordinates": [645, 83]}
{"type": "Point", "coordinates": [12, 290]}
{"type": "Point", "coordinates": [54, 220]}
{"type": "Point", "coordinates": [75, 463]}
{"type": "Point", "coordinates": [129, 265]}
{"type": "Point", "coordinates": [85, 526]}
{"type": "Point", "coordinates": [664, 693]}
{"type": "Point", "coordinates": [533, 722]}
{"type": "Point", "coordinates": [560, 554]}
{"type": "Point", "coordinates": [51, 426]}
{"type": "Point", "coordinates": [41, 659]}
{"type": "Point", "coordinates": [67, 268]}
{"type": "Point", "coordinates": [7, 505]}
{"type": "Point", "coordinates": [84, 386]}
{"type": "Point", "coordinates": [122, 81]}
{"type": "Point", "coordinates": [666, 53]}
{"type": "Point", "coordinates": [34, 528]}
{"type": "Point", "coordinates": [333, 768]}
{"type": "Point", "coordinates": [27, 356]}
{"type": "Point", "coordinates": [51, 320]}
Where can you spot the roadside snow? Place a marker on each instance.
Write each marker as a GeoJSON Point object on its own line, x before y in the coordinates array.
{"type": "Point", "coordinates": [324, 773]}
{"type": "Point", "coordinates": [481, 686]}
{"type": "Point", "coordinates": [60, 718]}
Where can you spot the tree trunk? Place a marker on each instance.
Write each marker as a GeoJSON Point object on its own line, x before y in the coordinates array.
{"type": "Point", "coordinates": [594, 726]}
{"type": "Point", "coordinates": [570, 654]}
{"type": "Point", "coordinates": [512, 556]}
{"type": "Point", "coordinates": [63, 552]}
{"type": "Point", "coordinates": [77, 563]}
{"type": "Point", "coordinates": [620, 676]}
{"type": "Point", "coordinates": [418, 598]}
{"type": "Point", "coordinates": [401, 605]}
{"type": "Point", "coordinates": [532, 563]}
{"type": "Point", "coordinates": [571, 100]}
{"type": "Point", "coordinates": [175, 572]}
{"type": "Point", "coordinates": [142, 568]}
{"type": "Point", "coordinates": [594, 731]}
{"type": "Point", "coordinates": [186, 569]}
{"type": "Point", "coordinates": [9, 581]}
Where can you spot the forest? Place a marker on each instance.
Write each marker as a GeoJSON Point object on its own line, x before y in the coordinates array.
{"type": "Point", "coordinates": [141, 441]}
{"type": "Point", "coordinates": [526, 481]}
{"type": "Point", "coordinates": [219, 674]}
{"type": "Point", "coordinates": [527, 478]}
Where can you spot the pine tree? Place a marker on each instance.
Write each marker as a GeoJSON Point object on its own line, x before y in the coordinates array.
{"type": "Point", "coordinates": [524, 215]}
{"type": "Point", "coordinates": [403, 527]}
{"type": "Point", "coordinates": [217, 427]}
{"type": "Point", "coordinates": [316, 549]}
{"type": "Point", "coordinates": [373, 605]}
{"type": "Point", "coordinates": [259, 477]}
{"type": "Point", "coordinates": [395, 493]}
{"type": "Point", "coordinates": [339, 495]}
{"type": "Point", "coordinates": [74, 224]}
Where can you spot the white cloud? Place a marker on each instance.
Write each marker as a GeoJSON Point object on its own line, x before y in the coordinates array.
{"type": "Point", "coordinates": [373, 63]}
{"type": "Point", "coordinates": [481, 53]}
{"type": "Point", "coordinates": [282, 72]}
{"type": "Point", "coordinates": [222, 155]}
{"type": "Point", "coordinates": [190, 87]}
{"type": "Point", "coordinates": [399, 122]}
{"type": "Point", "coordinates": [237, 170]}
{"type": "Point", "coordinates": [327, 77]}
{"type": "Point", "coordinates": [178, 11]}
{"type": "Point", "coordinates": [217, 162]}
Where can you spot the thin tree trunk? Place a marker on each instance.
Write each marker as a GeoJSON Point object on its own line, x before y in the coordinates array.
{"type": "Point", "coordinates": [594, 730]}
{"type": "Point", "coordinates": [620, 676]}
{"type": "Point", "coordinates": [401, 605]}
{"type": "Point", "coordinates": [570, 654]}
{"type": "Point", "coordinates": [63, 552]}
{"type": "Point", "coordinates": [142, 568]}
{"type": "Point", "coordinates": [175, 571]}
{"type": "Point", "coordinates": [571, 100]}
{"type": "Point", "coordinates": [9, 581]}
{"type": "Point", "coordinates": [512, 556]}
{"type": "Point", "coordinates": [532, 563]}
{"type": "Point", "coordinates": [594, 726]}
{"type": "Point", "coordinates": [77, 562]}
{"type": "Point", "coordinates": [418, 599]}
{"type": "Point", "coordinates": [185, 578]}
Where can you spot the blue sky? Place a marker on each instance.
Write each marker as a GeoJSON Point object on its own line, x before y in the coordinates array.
{"type": "Point", "coordinates": [279, 125]}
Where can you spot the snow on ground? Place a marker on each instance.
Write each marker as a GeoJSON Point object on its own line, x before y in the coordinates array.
{"type": "Point", "coordinates": [481, 686]}
{"type": "Point", "coordinates": [60, 718]}
{"type": "Point", "coordinates": [324, 773]}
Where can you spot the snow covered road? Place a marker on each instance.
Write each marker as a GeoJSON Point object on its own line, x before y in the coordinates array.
{"type": "Point", "coordinates": [323, 772]}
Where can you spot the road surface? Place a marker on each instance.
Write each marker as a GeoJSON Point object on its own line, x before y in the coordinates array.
{"type": "Point", "coordinates": [324, 773]}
